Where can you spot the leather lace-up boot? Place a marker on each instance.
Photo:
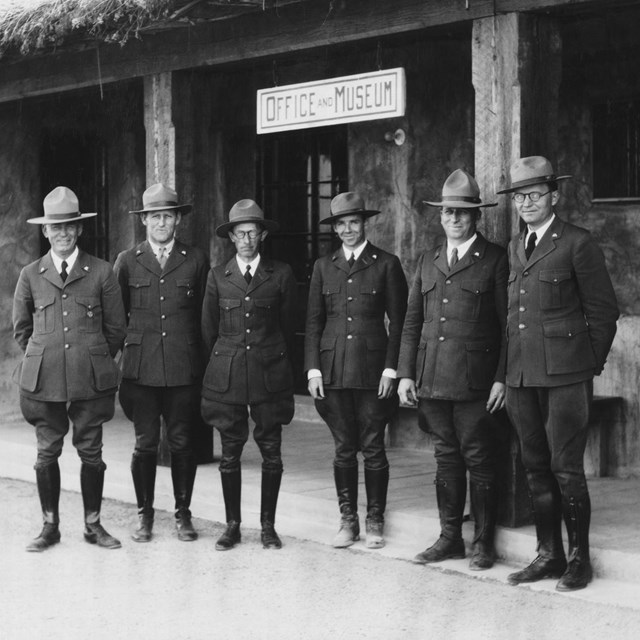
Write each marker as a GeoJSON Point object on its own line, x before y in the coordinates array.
{"type": "Point", "coordinates": [376, 482]}
{"type": "Point", "coordinates": [183, 474]}
{"type": "Point", "coordinates": [231, 488]}
{"type": "Point", "coordinates": [346, 480]}
{"type": "Point", "coordinates": [91, 485]}
{"type": "Point", "coordinates": [451, 494]}
{"type": "Point", "coordinates": [48, 482]}
{"type": "Point", "coordinates": [577, 516]}
{"type": "Point", "coordinates": [271, 479]}
{"type": "Point", "coordinates": [484, 506]}
{"type": "Point", "coordinates": [547, 513]}
{"type": "Point", "coordinates": [143, 472]}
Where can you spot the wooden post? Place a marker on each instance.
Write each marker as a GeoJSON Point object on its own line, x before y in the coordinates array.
{"type": "Point", "coordinates": [170, 134]}
{"type": "Point", "coordinates": [516, 67]}
{"type": "Point", "coordinates": [516, 61]}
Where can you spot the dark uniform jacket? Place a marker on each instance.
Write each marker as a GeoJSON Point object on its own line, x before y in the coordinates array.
{"type": "Point", "coordinates": [562, 309]}
{"type": "Point", "coordinates": [346, 338]}
{"type": "Point", "coordinates": [453, 341]}
{"type": "Point", "coordinates": [69, 331]}
{"type": "Point", "coordinates": [248, 333]}
{"type": "Point", "coordinates": [163, 347]}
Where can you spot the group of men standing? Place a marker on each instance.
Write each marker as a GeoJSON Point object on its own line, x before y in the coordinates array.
{"type": "Point", "coordinates": [478, 330]}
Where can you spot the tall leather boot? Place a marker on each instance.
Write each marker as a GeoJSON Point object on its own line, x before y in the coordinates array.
{"type": "Point", "coordinates": [346, 480]}
{"type": "Point", "coordinates": [183, 475]}
{"type": "Point", "coordinates": [269, 499]}
{"type": "Point", "coordinates": [547, 515]}
{"type": "Point", "coordinates": [143, 472]}
{"type": "Point", "coordinates": [484, 507]}
{"type": "Point", "coordinates": [91, 485]}
{"type": "Point", "coordinates": [48, 482]}
{"type": "Point", "coordinates": [231, 491]}
{"type": "Point", "coordinates": [451, 494]}
{"type": "Point", "coordinates": [577, 518]}
{"type": "Point", "coordinates": [376, 482]}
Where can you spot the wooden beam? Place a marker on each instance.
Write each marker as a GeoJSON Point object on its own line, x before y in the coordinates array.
{"type": "Point", "coordinates": [300, 27]}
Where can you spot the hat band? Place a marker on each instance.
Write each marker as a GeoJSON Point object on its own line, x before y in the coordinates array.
{"type": "Point", "coordinates": [460, 198]}
{"type": "Point", "coordinates": [62, 216]}
{"type": "Point", "coordinates": [162, 203]}
{"type": "Point", "coordinates": [347, 211]}
{"type": "Point", "coordinates": [535, 180]}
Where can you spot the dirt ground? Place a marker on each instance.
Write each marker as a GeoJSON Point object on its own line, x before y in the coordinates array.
{"type": "Point", "coordinates": [188, 591]}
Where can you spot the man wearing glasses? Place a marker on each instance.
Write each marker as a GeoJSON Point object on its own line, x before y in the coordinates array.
{"type": "Point", "coordinates": [561, 323]}
{"type": "Point", "coordinates": [247, 328]}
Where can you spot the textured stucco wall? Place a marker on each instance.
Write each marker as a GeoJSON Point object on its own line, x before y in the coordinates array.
{"type": "Point", "coordinates": [19, 241]}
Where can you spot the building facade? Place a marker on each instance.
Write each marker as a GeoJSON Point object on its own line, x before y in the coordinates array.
{"type": "Point", "coordinates": [486, 82]}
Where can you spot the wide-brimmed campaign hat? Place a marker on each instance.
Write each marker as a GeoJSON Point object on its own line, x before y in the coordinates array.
{"type": "Point", "coordinates": [531, 170]}
{"type": "Point", "coordinates": [60, 205]}
{"type": "Point", "coordinates": [460, 191]}
{"type": "Point", "coordinates": [246, 210]}
{"type": "Point", "coordinates": [158, 197]}
{"type": "Point", "coordinates": [348, 203]}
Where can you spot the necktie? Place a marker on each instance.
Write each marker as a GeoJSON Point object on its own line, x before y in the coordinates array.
{"type": "Point", "coordinates": [63, 273]}
{"type": "Point", "coordinates": [531, 245]}
{"type": "Point", "coordinates": [454, 258]}
{"type": "Point", "coordinates": [162, 256]}
{"type": "Point", "coordinates": [247, 274]}
{"type": "Point", "coordinates": [351, 259]}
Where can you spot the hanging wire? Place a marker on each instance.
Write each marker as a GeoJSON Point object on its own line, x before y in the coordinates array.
{"type": "Point", "coordinates": [379, 56]}
{"type": "Point", "coordinates": [99, 70]}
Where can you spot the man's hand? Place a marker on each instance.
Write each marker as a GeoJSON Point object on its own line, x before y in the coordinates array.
{"type": "Point", "coordinates": [407, 392]}
{"type": "Point", "coordinates": [386, 387]}
{"type": "Point", "coordinates": [316, 388]}
{"type": "Point", "coordinates": [496, 397]}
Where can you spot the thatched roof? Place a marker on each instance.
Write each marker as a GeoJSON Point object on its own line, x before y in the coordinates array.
{"type": "Point", "coordinates": [36, 26]}
{"type": "Point", "coordinates": [30, 26]}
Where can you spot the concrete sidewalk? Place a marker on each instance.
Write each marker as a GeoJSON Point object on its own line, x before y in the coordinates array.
{"type": "Point", "coordinates": [308, 509]}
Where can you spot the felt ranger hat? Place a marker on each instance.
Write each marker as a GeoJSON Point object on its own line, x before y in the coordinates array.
{"type": "Point", "coordinates": [460, 191]}
{"type": "Point", "coordinates": [529, 171]}
{"type": "Point", "coordinates": [246, 210]}
{"type": "Point", "coordinates": [348, 203]}
{"type": "Point", "coordinates": [160, 198]}
{"type": "Point", "coordinates": [60, 205]}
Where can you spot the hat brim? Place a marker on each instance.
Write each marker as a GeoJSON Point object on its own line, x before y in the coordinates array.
{"type": "Point", "coordinates": [531, 181]}
{"type": "Point", "coordinates": [365, 213]}
{"type": "Point", "coordinates": [223, 229]}
{"type": "Point", "coordinates": [180, 208]}
{"type": "Point", "coordinates": [49, 220]}
{"type": "Point", "coordinates": [460, 204]}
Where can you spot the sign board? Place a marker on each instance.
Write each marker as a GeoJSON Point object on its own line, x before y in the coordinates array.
{"type": "Point", "coordinates": [368, 96]}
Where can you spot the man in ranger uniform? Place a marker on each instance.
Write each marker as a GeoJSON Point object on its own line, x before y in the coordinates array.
{"type": "Point", "coordinates": [69, 321]}
{"type": "Point", "coordinates": [561, 323]}
{"type": "Point", "coordinates": [452, 359]}
{"type": "Point", "coordinates": [247, 329]}
{"type": "Point", "coordinates": [162, 282]}
{"type": "Point", "coordinates": [351, 361]}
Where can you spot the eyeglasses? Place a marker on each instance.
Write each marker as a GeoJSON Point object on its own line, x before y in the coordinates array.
{"type": "Point", "coordinates": [252, 235]}
{"type": "Point", "coordinates": [534, 196]}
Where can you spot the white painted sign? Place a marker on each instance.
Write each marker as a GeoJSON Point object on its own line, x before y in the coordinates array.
{"type": "Point", "coordinates": [368, 96]}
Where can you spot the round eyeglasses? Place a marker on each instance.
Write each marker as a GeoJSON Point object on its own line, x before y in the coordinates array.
{"type": "Point", "coordinates": [252, 235]}
{"type": "Point", "coordinates": [534, 196]}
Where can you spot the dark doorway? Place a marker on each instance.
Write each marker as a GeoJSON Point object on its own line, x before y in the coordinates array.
{"type": "Point", "coordinates": [77, 160]}
{"type": "Point", "coordinates": [298, 174]}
